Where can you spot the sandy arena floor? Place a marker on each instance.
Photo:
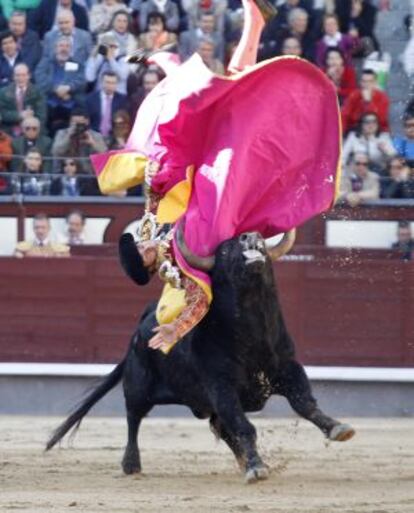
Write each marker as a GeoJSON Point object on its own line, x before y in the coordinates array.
{"type": "Point", "coordinates": [186, 470]}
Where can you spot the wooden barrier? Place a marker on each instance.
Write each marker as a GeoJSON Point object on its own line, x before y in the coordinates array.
{"type": "Point", "coordinates": [340, 310]}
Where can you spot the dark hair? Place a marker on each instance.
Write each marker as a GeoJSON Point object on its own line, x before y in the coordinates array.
{"type": "Point", "coordinates": [156, 16]}
{"type": "Point", "coordinates": [334, 49]}
{"type": "Point", "coordinates": [404, 224]}
{"type": "Point", "coordinates": [109, 73]}
{"type": "Point", "coordinates": [358, 131]}
{"type": "Point", "coordinates": [77, 164]}
{"type": "Point", "coordinates": [79, 111]}
{"type": "Point", "coordinates": [78, 213]}
{"type": "Point", "coordinates": [369, 72]}
{"type": "Point", "coordinates": [6, 34]}
{"type": "Point", "coordinates": [41, 216]}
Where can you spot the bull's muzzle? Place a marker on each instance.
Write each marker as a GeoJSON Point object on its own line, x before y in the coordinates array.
{"type": "Point", "coordinates": [253, 248]}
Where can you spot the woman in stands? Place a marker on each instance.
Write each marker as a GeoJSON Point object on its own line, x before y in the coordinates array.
{"type": "Point", "coordinates": [342, 74]}
{"type": "Point", "coordinates": [369, 139]}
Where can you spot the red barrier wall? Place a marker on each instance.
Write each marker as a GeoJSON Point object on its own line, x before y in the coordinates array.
{"type": "Point", "coordinates": [341, 311]}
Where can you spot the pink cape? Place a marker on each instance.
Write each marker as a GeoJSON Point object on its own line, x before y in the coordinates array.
{"type": "Point", "coordinates": [265, 144]}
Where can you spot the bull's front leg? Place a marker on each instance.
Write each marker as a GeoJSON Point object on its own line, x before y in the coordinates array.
{"type": "Point", "coordinates": [239, 433]}
{"type": "Point", "coordinates": [292, 382]}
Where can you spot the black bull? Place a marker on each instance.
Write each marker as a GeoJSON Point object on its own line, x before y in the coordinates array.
{"type": "Point", "coordinates": [231, 363]}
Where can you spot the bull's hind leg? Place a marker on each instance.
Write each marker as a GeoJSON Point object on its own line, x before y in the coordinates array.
{"type": "Point", "coordinates": [136, 392]}
{"type": "Point", "coordinates": [293, 383]}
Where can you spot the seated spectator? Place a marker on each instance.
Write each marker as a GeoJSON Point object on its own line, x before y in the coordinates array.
{"type": "Point", "coordinates": [31, 138]}
{"type": "Point", "coordinates": [342, 75]}
{"type": "Point", "coordinates": [120, 30]}
{"type": "Point", "coordinates": [21, 100]}
{"type": "Point", "coordinates": [370, 140]}
{"type": "Point", "coordinates": [206, 51]}
{"type": "Point", "coordinates": [405, 241]}
{"type": "Point", "coordinates": [75, 227]}
{"type": "Point", "coordinates": [292, 46]}
{"type": "Point", "coordinates": [101, 14]}
{"type": "Point", "coordinates": [72, 182]}
{"type": "Point", "coordinates": [189, 40]}
{"type": "Point", "coordinates": [62, 81]}
{"type": "Point", "coordinates": [298, 26]}
{"type": "Point", "coordinates": [368, 98]}
{"type": "Point", "coordinates": [28, 43]}
{"type": "Point", "coordinates": [9, 57]}
{"type": "Point", "coordinates": [150, 79]}
{"type": "Point", "coordinates": [157, 34]}
{"type": "Point", "coordinates": [33, 184]}
{"type": "Point", "coordinates": [399, 183]}
{"type": "Point", "coordinates": [333, 38]}
{"type": "Point", "coordinates": [121, 128]}
{"type": "Point", "coordinates": [281, 21]}
{"type": "Point", "coordinates": [101, 105]}
{"type": "Point", "coordinates": [106, 57]}
{"type": "Point", "coordinates": [221, 9]}
{"type": "Point", "coordinates": [404, 144]}
{"type": "Point", "coordinates": [359, 184]}
{"type": "Point", "coordinates": [81, 40]}
{"type": "Point", "coordinates": [167, 8]}
{"type": "Point", "coordinates": [358, 18]}
{"type": "Point", "coordinates": [43, 18]}
{"type": "Point", "coordinates": [41, 245]}
{"type": "Point", "coordinates": [78, 140]}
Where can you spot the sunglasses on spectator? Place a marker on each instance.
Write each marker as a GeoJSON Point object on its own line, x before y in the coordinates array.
{"type": "Point", "coordinates": [30, 128]}
{"type": "Point", "coordinates": [361, 163]}
{"type": "Point", "coordinates": [370, 120]}
{"type": "Point", "coordinates": [70, 163]}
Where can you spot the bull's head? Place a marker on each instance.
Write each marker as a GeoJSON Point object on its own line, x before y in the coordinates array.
{"type": "Point", "coordinates": [253, 248]}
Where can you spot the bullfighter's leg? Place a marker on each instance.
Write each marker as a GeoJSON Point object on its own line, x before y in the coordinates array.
{"type": "Point", "coordinates": [137, 383]}
{"type": "Point", "coordinates": [293, 383]}
{"type": "Point", "coordinates": [245, 53]}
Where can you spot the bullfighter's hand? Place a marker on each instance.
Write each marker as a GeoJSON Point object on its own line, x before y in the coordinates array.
{"type": "Point", "coordinates": [165, 336]}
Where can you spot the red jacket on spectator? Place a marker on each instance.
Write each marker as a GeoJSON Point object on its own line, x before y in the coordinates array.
{"type": "Point", "coordinates": [348, 84]}
{"type": "Point", "coordinates": [5, 150]}
{"type": "Point", "coordinates": [355, 106]}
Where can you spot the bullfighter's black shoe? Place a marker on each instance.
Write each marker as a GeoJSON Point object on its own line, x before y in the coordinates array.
{"type": "Point", "coordinates": [267, 9]}
{"type": "Point", "coordinates": [141, 56]}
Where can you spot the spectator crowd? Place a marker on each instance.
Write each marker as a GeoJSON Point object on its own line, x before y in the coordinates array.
{"type": "Point", "coordinates": [67, 90]}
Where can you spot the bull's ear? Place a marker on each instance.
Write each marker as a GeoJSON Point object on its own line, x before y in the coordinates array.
{"type": "Point", "coordinates": [131, 261]}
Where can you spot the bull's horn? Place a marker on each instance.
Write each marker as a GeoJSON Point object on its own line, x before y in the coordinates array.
{"type": "Point", "coordinates": [201, 263]}
{"type": "Point", "coordinates": [282, 247]}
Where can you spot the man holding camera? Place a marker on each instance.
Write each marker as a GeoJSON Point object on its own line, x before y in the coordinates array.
{"type": "Point", "coordinates": [105, 57]}
{"type": "Point", "coordinates": [79, 141]}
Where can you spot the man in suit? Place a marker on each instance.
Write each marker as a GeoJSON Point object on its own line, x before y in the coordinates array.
{"type": "Point", "coordinates": [31, 138]}
{"type": "Point", "coordinates": [28, 42]}
{"type": "Point", "coordinates": [19, 100]}
{"type": "Point", "coordinates": [62, 80]}
{"type": "Point", "coordinates": [9, 57]}
{"type": "Point", "coordinates": [103, 104]}
{"type": "Point", "coordinates": [81, 39]}
{"type": "Point", "coordinates": [43, 18]}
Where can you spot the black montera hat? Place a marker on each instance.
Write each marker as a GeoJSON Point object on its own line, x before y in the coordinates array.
{"type": "Point", "coordinates": [131, 260]}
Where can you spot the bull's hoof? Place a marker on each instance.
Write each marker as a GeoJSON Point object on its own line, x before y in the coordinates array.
{"type": "Point", "coordinates": [256, 473]}
{"type": "Point", "coordinates": [341, 433]}
{"type": "Point", "coordinates": [131, 462]}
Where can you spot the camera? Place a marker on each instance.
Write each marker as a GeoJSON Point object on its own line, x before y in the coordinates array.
{"type": "Point", "coordinates": [103, 50]}
{"type": "Point", "coordinates": [80, 129]}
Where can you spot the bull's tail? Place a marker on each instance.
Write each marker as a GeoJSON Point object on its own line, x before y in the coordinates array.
{"type": "Point", "coordinates": [90, 400]}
